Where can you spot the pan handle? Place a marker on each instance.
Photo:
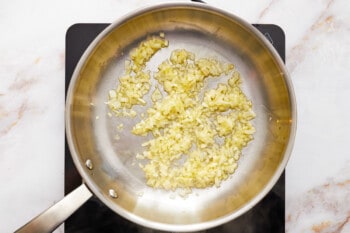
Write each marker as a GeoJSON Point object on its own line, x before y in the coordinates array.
{"type": "Point", "coordinates": [54, 216]}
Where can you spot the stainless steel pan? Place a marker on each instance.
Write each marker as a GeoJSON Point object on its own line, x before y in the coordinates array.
{"type": "Point", "coordinates": [108, 166]}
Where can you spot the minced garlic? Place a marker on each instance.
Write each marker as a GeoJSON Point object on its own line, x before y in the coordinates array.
{"type": "Point", "coordinates": [135, 83]}
{"type": "Point", "coordinates": [198, 135]}
{"type": "Point", "coordinates": [156, 95]}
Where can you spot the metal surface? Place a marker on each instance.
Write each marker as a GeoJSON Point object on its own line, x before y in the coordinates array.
{"type": "Point", "coordinates": [50, 219]}
{"type": "Point", "coordinates": [208, 32]}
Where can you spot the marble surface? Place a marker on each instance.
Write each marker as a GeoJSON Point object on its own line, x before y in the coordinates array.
{"type": "Point", "coordinates": [32, 103]}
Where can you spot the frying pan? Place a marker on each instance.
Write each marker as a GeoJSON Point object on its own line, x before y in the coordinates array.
{"type": "Point", "coordinates": [107, 166]}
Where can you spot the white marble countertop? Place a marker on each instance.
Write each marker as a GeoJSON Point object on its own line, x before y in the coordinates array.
{"type": "Point", "coordinates": [32, 48]}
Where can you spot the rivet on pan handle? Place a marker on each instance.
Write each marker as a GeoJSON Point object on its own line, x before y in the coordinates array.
{"type": "Point", "coordinates": [54, 216]}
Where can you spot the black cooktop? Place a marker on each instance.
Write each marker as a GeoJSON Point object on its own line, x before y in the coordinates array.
{"type": "Point", "coordinates": [94, 217]}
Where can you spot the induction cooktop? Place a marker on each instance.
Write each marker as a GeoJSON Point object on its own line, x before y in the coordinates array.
{"type": "Point", "coordinates": [268, 216]}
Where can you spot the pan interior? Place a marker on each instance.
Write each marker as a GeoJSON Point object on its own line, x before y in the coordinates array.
{"type": "Point", "coordinates": [92, 132]}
